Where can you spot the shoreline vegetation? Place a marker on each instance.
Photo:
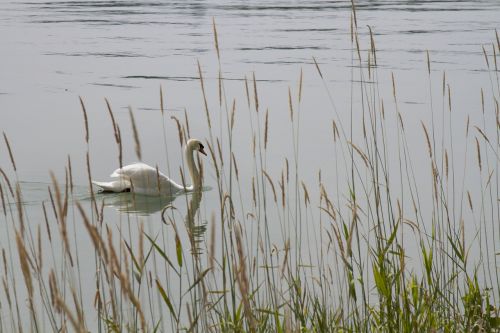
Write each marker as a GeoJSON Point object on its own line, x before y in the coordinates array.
{"type": "Point", "coordinates": [354, 278]}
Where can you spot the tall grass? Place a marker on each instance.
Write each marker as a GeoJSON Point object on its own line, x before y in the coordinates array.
{"type": "Point", "coordinates": [387, 251]}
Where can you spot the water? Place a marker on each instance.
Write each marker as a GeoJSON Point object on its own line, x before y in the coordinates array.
{"type": "Point", "coordinates": [56, 51]}
{"type": "Point", "coordinates": [53, 52]}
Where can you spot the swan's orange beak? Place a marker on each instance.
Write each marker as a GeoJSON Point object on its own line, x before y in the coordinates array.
{"type": "Point", "coordinates": [201, 150]}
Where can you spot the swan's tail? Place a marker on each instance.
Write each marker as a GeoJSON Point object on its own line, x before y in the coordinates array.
{"type": "Point", "coordinates": [121, 185]}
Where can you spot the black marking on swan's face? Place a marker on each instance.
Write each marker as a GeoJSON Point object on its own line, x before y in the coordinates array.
{"type": "Point", "coordinates": [201, 148]}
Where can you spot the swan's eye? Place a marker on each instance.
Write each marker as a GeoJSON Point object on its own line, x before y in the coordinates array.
{"type": "Point", "coordinates": [201, 149]}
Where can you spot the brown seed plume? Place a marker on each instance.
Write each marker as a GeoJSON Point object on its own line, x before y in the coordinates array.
{"type": "Point", "coordinates": [136, 135]}
{"type": "Point", "coordinates": [10, 151]}
{"type": "Point", "coordinates": [85, 118]}
{"type": "Point", "coordinates": [256, 96]}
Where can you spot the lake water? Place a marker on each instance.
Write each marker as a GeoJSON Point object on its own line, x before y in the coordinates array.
{"type": "Point", "coordinates": [55, 51]}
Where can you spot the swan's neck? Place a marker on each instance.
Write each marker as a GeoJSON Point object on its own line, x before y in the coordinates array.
{"type": "Point", "coordinates": [193, 170]}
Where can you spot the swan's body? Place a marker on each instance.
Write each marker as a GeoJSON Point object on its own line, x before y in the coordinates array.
{"type": "Point", "coordinates": [141, 178]}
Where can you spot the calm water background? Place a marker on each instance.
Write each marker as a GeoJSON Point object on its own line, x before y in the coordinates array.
{"type": "Point", "coordinates": [53, 52]}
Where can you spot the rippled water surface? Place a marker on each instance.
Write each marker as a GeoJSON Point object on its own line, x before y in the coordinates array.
{"type": "Point", "coordinates": [52, 52]}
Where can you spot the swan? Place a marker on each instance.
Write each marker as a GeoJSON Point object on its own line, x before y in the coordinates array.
{"type": "Point", "coordinates": [141, 178]}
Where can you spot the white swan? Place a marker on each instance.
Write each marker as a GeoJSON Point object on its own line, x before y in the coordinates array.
{"type": "Point", "coordinates": [143, 179]}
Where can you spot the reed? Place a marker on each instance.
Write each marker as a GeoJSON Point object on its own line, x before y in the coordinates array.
{"type": "Point", "coordinates": [85, 119]}
{"type": "Point", "coordinates": [138, 150]}
{"type": "Point", "coordinates": [11, 155]}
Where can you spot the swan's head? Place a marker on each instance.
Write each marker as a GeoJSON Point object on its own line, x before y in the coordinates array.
{"type": "Point", "coordinates": [195, 144]}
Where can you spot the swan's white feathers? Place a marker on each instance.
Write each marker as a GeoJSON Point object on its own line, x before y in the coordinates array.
{"type": "Point", "coordinates": [132, 169]}
{"type": "Point", "coordinates": [144, 179]}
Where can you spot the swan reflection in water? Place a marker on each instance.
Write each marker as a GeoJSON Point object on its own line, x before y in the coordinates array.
{"type": "Point", "coordinates": [129, 202]}
{"type": "Point", "coordinates": [144, 205]}
{"type": "Point", "coordinates": [196, 230]}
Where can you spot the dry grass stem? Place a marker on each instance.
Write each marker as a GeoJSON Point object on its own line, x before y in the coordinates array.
{"type": "Point", "coordinates": [287, 171]}
{"type": "Point", "coordinates": [498, 40]}
{"type": "Point", "coordinates": [282, 188]}
{"type": "Point", "coordinates": [353, 7]}
{"type": "Point", "coordinates": [482, 100]}
{"type": "Point", "coordinates": [242, 280]}
{"type": "Point", "coordinates": [335, 131]}
{"type": "Point", "coordinates": [428, 62]}
{"type": "Point", "coordinates": [219, 81]}
{"type": "Point", "coordinates": [470, 201]}
{"type": "Point", "coordinates": [478, 155]}
{"type": "Point", "coordinates": [211, 252]}
{"type": "Point", "coordinates": [307, 201]}
{"type": "Point", "coordinates": [62, 213]}
{"type": "Point", "coordinates": [141, 245]}
{"type": "Point", "coordinates": [39, 251]}
{"type": "Point", "coordinates": [446, 163]}
{"type": "Point", "coordinates": [216, 39]}
{"type": "Point", "coordinates": [136, 135]}
{"type": "Point", "coordinates": [219, 149]}
{"type": "Point", "coordinates": [449, 98]}
{"type": "Point", "coordinates": [186, 121]}
{"type": "Point", "coordinates": [271, 183]}
{"type": "Point", "coordinates": [25, 264]}
{"type": "Point", "coordinates": [486, 58]}
{"type": "Point", "coordinates": [236, 172]}
{"type": "Point", "coordinates": [427, 140]}
{"type": "Point", "coordinates": [70, 178]}
{"type": "Point", "coordinates": [266, 129]}
{"type": "Point", "coordinates": [393, 86]}
{"type": "Point", "coordinates": [3, 201]}
{"type": "Point", "coordinates": [256, 96]}
{"type": "Point", "coordinates": [113, 121]}
{"type": "Point", "coordinates": [19, 204]}
{"type": "Point", "coordinates": [214, 160]}
{"type": "Point", "coordinates": [7, 181]}
{"type": "Point", "coordinates": [10, 151]}
{"type": "Point", "coordinates": [49, 234]}
{"type": "Point", "coordinates": [97, 241]}
{"type": "Point", "coordinates": [179, 130]}
{"type": "Point", "coordinates": [373, 48]}
{"type": "Point", "coordinates": [254, 197]}
{"type": "Point", "coordinates": [204, 95]}
{"type": "Point", "coordinates": [317, 67]}
{"type": "Point", "coordinates": [158, 179]}
{"type": "Point", "coordinates": [300, 84]}
{"type": "Point", "coordinates": [467, 127]}
{"type": "Point", "coordinates": [161, 100]}
{"type": "Point", "coordinates": [247, 92]}
{"type": "Point", "coordinates": [77, 326]}
{"type": "Point", "coordinates": [482, 134]}
{"type": "Point", "coordinates": [85, 118]}
{"type": "Point", "coordinates": [361, 154]}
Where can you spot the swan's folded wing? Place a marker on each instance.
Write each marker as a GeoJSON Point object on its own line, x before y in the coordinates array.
{"type": "Point", "coordinates": [130, 170]}
{"type": "Point", "coordinates": [145, 179]}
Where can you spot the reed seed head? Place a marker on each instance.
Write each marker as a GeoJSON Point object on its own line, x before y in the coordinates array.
{"type": "Point", "coordinates": [136, 135]}
{"type": "Point", "coordinates": [10, 151]}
